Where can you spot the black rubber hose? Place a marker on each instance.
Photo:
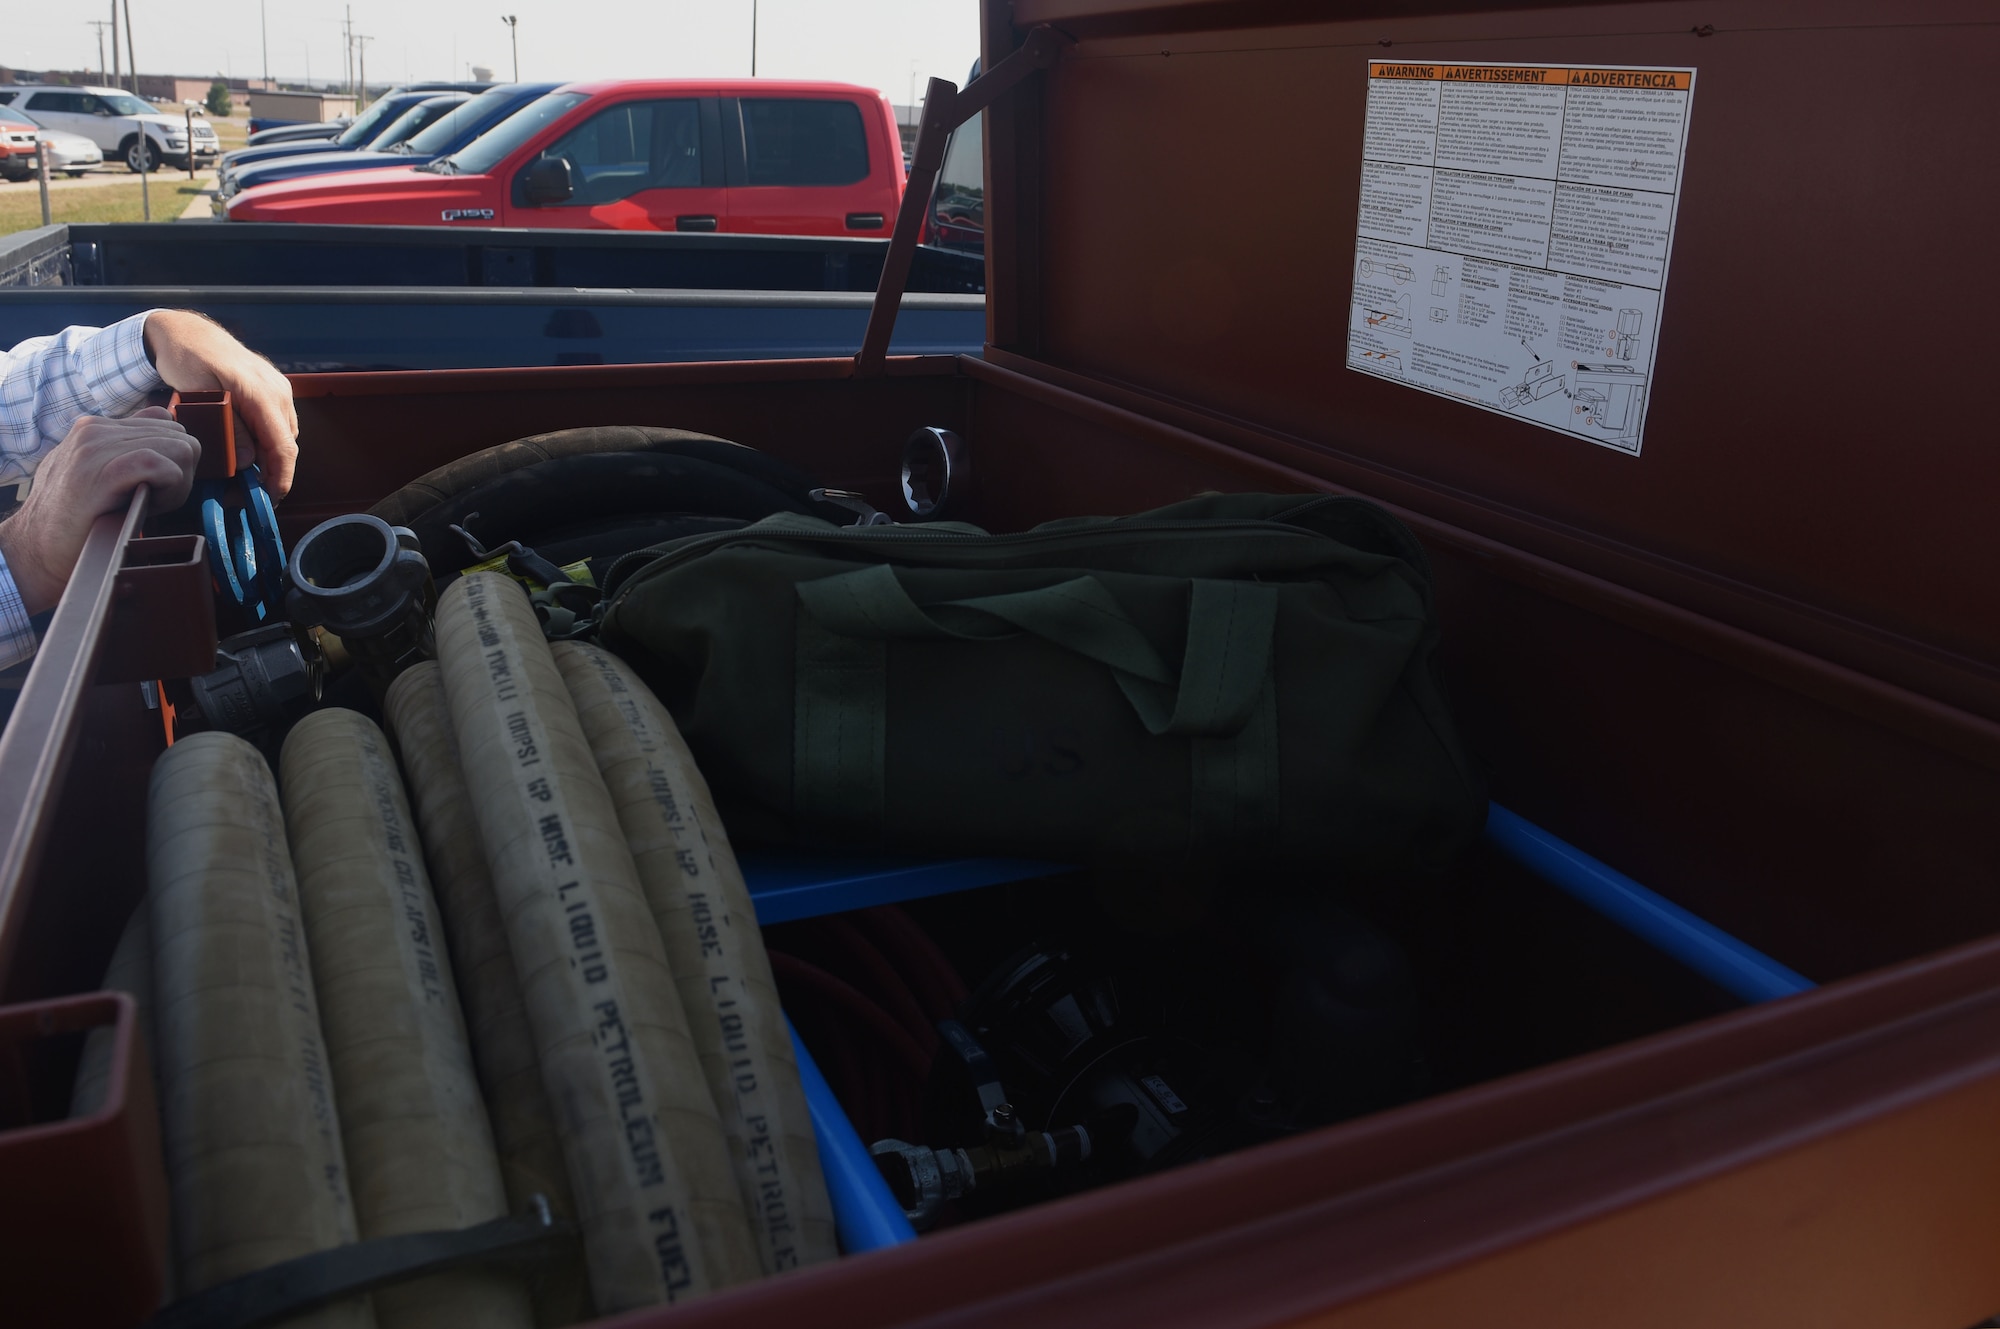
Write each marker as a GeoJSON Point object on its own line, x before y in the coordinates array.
{"type": "Point", "coordinates": [551, 484]}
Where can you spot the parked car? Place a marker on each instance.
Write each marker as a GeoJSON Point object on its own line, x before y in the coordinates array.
{"type": "Point", "coordinates": [282, 131]}
{"type": "Point", "coordinates": [121, 125]}
{"type": "Point", "coordinates": [763, 156]}
{"type": "Point", "coordinates": [372, 125]}
{"type": "Point", "coordinates": [414, 121]}
{"type": "Point", "coordinates": [300, 133]}
{"type": "Point", "coordinates": [17, 147]}
{"type": "Point", "coordinates": [455, 129]}
{"type": "Point", "coordinates": [71, 153]}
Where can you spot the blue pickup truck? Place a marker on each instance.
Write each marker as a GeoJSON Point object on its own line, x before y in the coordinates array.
{"type": "Point", "coordinates": [456, 127]}
{"type": "Point", "coordinates": [330, 298]}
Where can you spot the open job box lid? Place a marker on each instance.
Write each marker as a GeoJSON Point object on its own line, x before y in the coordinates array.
{"type": "Point", "coordinates": [1174, 218]}
{"type": "Point", "coordinates": [1451, 288]}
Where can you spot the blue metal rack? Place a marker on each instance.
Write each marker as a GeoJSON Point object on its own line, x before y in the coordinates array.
{"type": "Point", "coordinates": [1695, 942]}
{"type": "Point", "coordinates": [789, 886]}
{"type": "Point", "coordinates": [866, 1216]}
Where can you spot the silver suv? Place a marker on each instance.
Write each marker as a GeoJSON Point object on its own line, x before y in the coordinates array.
{"type": "Point", "coordinates": [117, 122]}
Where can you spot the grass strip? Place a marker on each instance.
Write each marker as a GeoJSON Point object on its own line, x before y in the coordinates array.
{"type": "Point", "coordinates": [22, 210]}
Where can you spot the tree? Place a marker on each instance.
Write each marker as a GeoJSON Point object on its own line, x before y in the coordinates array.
{"type": "Point", "coordinates": [218, 98]}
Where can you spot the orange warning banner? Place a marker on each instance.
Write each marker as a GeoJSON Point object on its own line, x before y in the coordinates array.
{"type": "Point", "coordinates": [1665, 80]}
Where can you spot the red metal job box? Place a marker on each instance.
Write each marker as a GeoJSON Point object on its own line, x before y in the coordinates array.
{"type": "Point", "coordinates": [1746, 648]}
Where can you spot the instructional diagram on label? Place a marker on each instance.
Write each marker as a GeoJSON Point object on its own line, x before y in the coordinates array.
{"type": "Point", "coordinates": [1515, 225]}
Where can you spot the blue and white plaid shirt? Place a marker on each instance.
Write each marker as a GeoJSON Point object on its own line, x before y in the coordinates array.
{"type": "Point", "coordinates": [45, 384]}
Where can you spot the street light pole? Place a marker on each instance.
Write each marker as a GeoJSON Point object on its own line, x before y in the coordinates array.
{"type": "Point", "coordinates": [264, 30]}
{"type": "Point", "coordinates": [514, 36]}
{"type": "Point", "coordinates": [753, 38]}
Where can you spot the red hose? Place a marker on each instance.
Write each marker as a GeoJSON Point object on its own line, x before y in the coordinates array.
{"type": "Point", "coordinates": [895, 931]}
{"type": "Point", "coordinates": [890, 989]}
{"type": "Point", "coordinates": [849, 1001]}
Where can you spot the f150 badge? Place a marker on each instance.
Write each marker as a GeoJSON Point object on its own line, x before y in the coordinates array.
{"type": "Point", "coordinates": [468, 214]}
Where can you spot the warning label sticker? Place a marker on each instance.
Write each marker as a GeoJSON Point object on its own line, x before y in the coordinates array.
{"type": "Point", "coordinates": [1515, 224]}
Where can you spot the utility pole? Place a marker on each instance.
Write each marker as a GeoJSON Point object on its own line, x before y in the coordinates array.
{"type": "Point", "coordinates": [514, 36]}
{"type": "Point", "coordinates": [103, 70]}
{"type": "Point", "coordinates": [361, 58]}
{"type": "Point", "coordinates": [347, 40]}
{"type": "Point", "coordinates": [131, 59]}
{"type": "Point", "coordinates": [117, 75]}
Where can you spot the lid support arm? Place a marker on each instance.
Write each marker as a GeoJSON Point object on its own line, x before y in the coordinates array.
{"type": "Point", "coordinates": [945, 109]}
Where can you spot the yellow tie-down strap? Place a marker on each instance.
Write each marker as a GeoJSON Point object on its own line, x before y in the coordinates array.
{"type": "Point", "coordinates": [578, 572]}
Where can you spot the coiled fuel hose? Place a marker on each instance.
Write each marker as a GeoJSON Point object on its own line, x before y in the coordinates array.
{"type": "Point", "coordinates": [496, 1019]}
{"type": "Point", "coordinates": [255, 1167]}
{"type": "Point", "coordinates": [656, 1194]}
{"type": "Point", "coordinates": [130, 972]}
{"type": "Point", "coordinates": [419, 1151]}
{"type": "Point", "coordinates": [705, 917]}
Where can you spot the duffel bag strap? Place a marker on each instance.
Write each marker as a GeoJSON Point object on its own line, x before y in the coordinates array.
{"type": "Point", "coordinates": [1224, 698]}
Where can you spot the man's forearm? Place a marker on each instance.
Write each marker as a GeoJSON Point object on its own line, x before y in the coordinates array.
{"type": "Point", "coordinates": [48, 383]}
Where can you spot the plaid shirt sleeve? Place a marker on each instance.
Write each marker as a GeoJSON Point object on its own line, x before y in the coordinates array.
{"type": "Point", "coordinates": [45, 384]}
{"type": "Point", "coordinates": [17, 635]}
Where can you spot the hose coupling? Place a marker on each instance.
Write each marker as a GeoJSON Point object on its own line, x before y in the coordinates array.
{"type": "Point", "coordinates": [261, 679]}
{"type": "Point", "coordinates": [367, 582]}
{"type": "Point", "coordinates": [924, 1179]}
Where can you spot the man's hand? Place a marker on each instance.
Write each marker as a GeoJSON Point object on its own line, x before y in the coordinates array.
{"type": "Point", "coordinates": [92, 471]}
{"type": "Point", "coordinates": [194, 355]}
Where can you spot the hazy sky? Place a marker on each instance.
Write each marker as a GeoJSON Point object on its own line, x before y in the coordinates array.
{"type": "Point", "coordinates": [878, 43]}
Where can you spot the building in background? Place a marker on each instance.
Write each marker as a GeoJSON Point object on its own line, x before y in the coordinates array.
{"type": "Point", "coordinates": [170, 89]}
{"type": "Point", "coordinates": [298, 108]}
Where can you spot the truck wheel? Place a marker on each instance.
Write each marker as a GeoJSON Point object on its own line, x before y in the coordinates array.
{"type": "Point", "coordinates": [140, 157]}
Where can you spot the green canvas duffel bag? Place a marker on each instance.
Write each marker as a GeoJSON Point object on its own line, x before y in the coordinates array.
{"type": "Point", "coordinates": [1238, 677]}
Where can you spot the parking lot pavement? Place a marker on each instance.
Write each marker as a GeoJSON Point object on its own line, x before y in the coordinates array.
{"type": "Point", "coordinates": [98, 179]}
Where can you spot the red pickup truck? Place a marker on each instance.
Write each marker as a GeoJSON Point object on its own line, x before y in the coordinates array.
{"type": "Point", "coordinates": [761, 156]}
